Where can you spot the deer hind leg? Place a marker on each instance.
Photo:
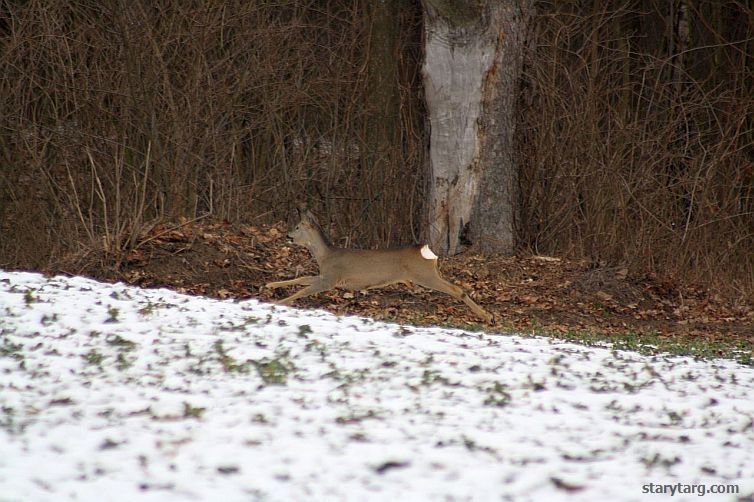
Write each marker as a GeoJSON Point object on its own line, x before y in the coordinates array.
{"type": "Point", "coordinates": [434, 281]}
{"type": "Point", "coordinates": [317, 286]}
{"type": "Point", "coordinates": [306, 281]}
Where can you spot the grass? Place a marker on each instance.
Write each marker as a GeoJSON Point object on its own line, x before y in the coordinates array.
{"type": "Point", "coordinates": [113, 313]}
{"type": "Point", "coordinates": [94, 358]}
{"type": "Point", "coordinates": [12, 350]}
{"type": "Point", "coordinates": [192, 411]}
{"type": "Point", "coordinates": [274, 371]}
{"type": "Point", "coordinates": [29, 297]}
{"type": "Point", "coordinates": [497, 395]}
{"type": "Point", "coordinates": [120, 342]}
{"type": "Point", "coordinates": [8, 419]}
{"type": "Point", "coordinates": [228, 363]}
{"type": "Point", "coordinates": [738, 349]}
{"type": "Point", "coordinates": [122, 362]}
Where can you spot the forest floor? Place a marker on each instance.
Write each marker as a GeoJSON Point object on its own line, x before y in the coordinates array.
{"type": "Point", "coordinates": [530, 294]}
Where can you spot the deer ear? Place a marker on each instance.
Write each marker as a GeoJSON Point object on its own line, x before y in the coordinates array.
{"type": "Point", "coordinates": [300, 211]}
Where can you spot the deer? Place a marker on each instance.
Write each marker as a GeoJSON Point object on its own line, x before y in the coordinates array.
{"type": "Point", "coordinates": [359, 269]}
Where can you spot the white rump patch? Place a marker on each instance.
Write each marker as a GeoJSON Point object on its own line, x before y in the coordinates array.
{"type": "Point", "coordinates": [427, 253]}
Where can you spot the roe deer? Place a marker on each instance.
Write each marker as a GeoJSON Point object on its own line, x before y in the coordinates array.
{"type": "Point", "coordinates": [357, 269]}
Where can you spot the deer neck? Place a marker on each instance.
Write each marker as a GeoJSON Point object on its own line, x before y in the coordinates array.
{"type": "Point", "coordinates": [319, 247]}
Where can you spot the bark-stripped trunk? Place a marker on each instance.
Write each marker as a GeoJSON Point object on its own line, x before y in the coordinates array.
{"type": "Point", "coordinates": [471, 71]}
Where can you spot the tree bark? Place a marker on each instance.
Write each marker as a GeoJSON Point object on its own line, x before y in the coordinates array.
{"type": "Point", "coordinates": [383, 92]}
{"type": "Point", "coordinates": [473, 57]}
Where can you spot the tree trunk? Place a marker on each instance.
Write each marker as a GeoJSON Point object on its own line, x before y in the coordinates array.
{"type": "Point", "coordinates": [383, 91]}
{"type": "Point", "coordinates": [473, 57]}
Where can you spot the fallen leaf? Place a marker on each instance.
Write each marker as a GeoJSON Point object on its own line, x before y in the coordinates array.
{"type": "Point", "coordinates": [528, 299]}
{"type": "Point", "coordinates": [605, 297]}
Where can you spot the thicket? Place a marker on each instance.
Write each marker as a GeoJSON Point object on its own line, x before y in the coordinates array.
{"type": "Point", "coordinates": [116, 115]}
{"type": "Point", "coordinates": [636, 131]}
{"type": "Point", "coordinates": [637, 136]}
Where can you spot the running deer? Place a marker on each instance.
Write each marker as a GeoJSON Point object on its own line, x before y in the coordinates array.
{"type": "Point", "coordinates": [358, 269]}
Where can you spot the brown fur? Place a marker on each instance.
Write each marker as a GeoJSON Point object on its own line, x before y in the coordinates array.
{"type": "Point", "coordinates": [356, 269]}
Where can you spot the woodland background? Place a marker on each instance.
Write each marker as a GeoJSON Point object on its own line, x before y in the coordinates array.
{"type": "Point", "coordinates": [635, 132]}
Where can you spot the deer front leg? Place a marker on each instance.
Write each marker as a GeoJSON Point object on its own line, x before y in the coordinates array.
{"type": "Point", "coordinates": [317, 286]}
{"type": "Point", "coordinates": [306, 281]}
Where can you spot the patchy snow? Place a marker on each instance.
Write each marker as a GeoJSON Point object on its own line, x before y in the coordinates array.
{"type": "Point", "coordinates": [110, 392]}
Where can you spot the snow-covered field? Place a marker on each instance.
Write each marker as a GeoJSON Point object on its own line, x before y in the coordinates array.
{"type": "Point", "coordinates": [110, 392]}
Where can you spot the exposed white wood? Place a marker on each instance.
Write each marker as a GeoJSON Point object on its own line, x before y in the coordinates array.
{"type": "Point", "coordinates": [471, 73]}
{"type": "Point", "coordinates": [455, 66]}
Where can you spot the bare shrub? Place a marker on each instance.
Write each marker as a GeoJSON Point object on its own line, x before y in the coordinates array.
{"type": "Point", "coordinates": [636, 132]}
{"type": "Point", "coordinates": [116, 115]}
{"type": "Point", "coordinates": [638, 140]}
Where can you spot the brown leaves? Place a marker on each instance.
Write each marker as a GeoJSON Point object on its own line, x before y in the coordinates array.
{"type": "Point", "coordinates": [605, 297]}
{"type": "Point", "coordinates": [535, 292]}
{"type": "Point", "coordinates": [528, 299]}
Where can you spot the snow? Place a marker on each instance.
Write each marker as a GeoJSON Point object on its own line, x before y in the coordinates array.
{"type": "Point", "coordinates": [110, 392]}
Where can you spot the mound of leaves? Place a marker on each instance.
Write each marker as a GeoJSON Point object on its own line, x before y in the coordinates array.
{"type": "Point", "coordinates": [525, 293]}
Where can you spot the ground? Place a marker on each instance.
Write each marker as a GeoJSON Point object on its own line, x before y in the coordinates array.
{"type": "Point", "coordinates": [119, 393]}
{"type": "Point", "coordinates": [526, 293]}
